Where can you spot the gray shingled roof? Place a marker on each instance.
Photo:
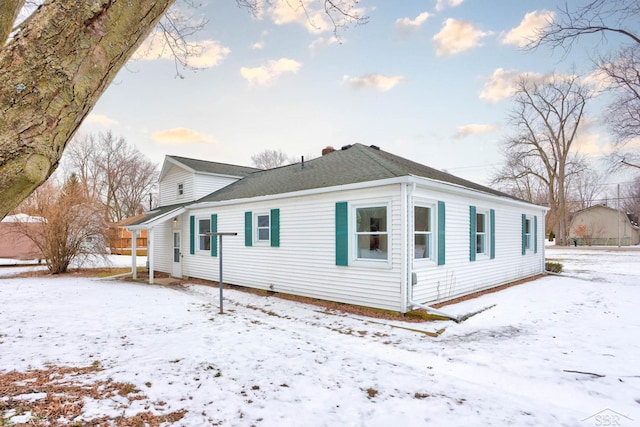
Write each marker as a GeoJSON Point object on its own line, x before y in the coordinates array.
{"type": "Point", "coordinates": [214, 167]}
{"type": "Point", "coordinates": [148, 216]}
{"type": "Point", "coordinates": [352, 164]}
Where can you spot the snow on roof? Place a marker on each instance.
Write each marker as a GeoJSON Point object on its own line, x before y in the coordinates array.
{"type": "Point", "coordinates": [22, 218]}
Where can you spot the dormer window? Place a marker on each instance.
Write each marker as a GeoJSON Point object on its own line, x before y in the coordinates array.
{"type": "Point", "coordinates": [180, 189]}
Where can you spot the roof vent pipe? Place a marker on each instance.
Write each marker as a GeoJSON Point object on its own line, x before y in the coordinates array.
{"type": "Point", "coordinates": [302, 163]}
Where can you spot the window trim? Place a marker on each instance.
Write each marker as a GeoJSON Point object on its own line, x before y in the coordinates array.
{"type": "Point", "coordinates": [353, 234]}
{"type": "Point", "coordinates": [198, 234]}
{"type": "Point", "coordinates": [528, 236]}
{"type": "Point", "coordinates": [180, 189]}
{"type": "Point", "coordinates": [256, 228]}
{"type": "Point", "coordinates": [485, 233]}
{"type": "Point", "coordinates": [433, 225]}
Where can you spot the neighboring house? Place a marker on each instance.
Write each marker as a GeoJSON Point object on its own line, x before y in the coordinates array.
{"type": "Point", "coordinates": [357, 225]}
{"type": "Point", "coordinates": [14, 244]}
{"type": "Point", "coordinates": [120, 237]}
{"type": "Point", "coordinates": [601, 225]}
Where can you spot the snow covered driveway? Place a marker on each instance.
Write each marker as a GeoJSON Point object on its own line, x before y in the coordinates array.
{"type": "Point", "coordinates": [555, 352]}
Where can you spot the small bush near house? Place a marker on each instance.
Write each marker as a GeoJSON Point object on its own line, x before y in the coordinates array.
{"type": "Point", "coordinates": [553, 267]}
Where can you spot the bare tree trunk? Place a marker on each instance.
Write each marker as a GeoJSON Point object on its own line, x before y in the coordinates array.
{"type": "Point", "coordinates": [52, 72]}
{"type": "Point", "coordinates": [9, 10]}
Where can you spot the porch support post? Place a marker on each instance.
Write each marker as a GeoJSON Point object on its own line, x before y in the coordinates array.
{"type": "Point", "coordinates": [150, 244]}
{"type": "Point", "coordinates": [134, 269]}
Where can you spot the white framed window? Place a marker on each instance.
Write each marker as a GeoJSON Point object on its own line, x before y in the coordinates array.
{"type": "Point", "coordinates": [481, 233]}
{"type": "Point", "coordinates": [263, 227]}
{"type": "Point", "coordinates": [180, 189]}
{"type": "Point", "coordinates": [204, 239]}
{"type": "Point", "coordinates": [527, 233]}
{"type": "Point", "coordinates": [423, 232]}
{"type": "Point", "coordinates": [371, 232]}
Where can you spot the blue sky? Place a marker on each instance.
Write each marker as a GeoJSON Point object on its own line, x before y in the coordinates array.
{"type": "Point", "coordinates": [428, 80]}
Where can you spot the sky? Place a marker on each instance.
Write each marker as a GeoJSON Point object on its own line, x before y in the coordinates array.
{"type": "Point", "coordinates": [428, 80]}
{"type": "Point", "coordinates": [558, 351]}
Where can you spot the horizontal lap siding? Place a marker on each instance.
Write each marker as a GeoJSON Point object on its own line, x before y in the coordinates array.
{"type": "Point", "coordinates": [207, 184]}
{"type": "Point", "coordinates": [162, 245]}
{"type": "Point", "coordinates": [460, 276]}
{"type": "Point", "coordinates": [169, 187]}
{"type": "Point", "coordinates": [304, 263]}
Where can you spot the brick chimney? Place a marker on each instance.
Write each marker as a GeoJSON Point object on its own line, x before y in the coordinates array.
{"type": "Point", "coordinates": [328, 149]}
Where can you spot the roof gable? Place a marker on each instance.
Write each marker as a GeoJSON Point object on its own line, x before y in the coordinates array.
{"type": "Point", "coordinates": [205, 167]}
{"type": "Point", "coordinates": [352, 164]}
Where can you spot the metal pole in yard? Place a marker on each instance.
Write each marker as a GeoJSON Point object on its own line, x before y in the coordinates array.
{"type": "Point", "coordinates": [220, 279]}
{"type": "Point", "coordinates": [619, 215]}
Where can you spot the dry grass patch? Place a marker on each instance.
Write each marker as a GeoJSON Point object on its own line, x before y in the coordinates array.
{"type": "Point", "coordinates": [55, 396]}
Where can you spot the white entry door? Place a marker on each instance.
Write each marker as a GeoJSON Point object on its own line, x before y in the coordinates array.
{"type": "Point", "coordinates": [176, 271]}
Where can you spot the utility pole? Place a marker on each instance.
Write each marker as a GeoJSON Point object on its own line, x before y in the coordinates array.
{"type": "Point", "coordinates": [619, 215]}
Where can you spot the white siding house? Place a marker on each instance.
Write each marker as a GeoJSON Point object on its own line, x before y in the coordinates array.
{"type": "Point", "coordinates": [357, 225]}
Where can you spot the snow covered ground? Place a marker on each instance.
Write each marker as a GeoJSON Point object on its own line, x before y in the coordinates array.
{"type": "Point", "coordinates": [527, 361]}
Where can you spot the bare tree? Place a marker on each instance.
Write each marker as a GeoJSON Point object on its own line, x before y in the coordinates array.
{"type": "Point", "coordinates": [71, 228]}
{"type": "Point", "coordinates": [620, 20]}
{"type": "Point", "coordinates": [113, 172]}
{"type": "Point", "coordinates": [269, 159]}
{"type": "Point", "coordinates": [631, 198]}
{"type": "Point", "coordinates": [585, 187]}
{"type": "Point", "coordinates": [546, 118]}
{"type": "Point", "coordinates": [56, 65]}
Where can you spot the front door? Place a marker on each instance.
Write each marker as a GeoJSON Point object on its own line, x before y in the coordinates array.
{"type": "Point", "coordinates": [176, 271]}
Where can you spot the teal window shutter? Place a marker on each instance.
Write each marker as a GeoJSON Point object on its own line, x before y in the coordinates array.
{"type": "Point", "coordinates": [524, 234]}
{"type": "Point", "coordinates": [492, 233]}
{"type": "Point", "coordinates": [472, 233]}
{"type": "Point", "coordinates": [342, 234]}
{"type": "Point", "coordinates": [214, 239]}
{"type": "Point", "coordinates": [248, 225]}
{"type": "Point", "coordinates": [441, 229]}
{"type": "Point", "coordinates": [192, 234]}
{"type": "Point", "coordinates": [275, 227]}
{"type": "Point", "coordinates": [535, 234]}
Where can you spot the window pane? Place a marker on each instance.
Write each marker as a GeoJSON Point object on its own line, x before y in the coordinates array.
{"type": "Point", "coordinates": [263, 234]}
{"type": "Point", "coordinates": [422, 218]}
{"type": "Point", "coordinates": [527, 225]}
{"type": "Point", "coordinates": [263, 220]}
{"type": "Point", "coordinates": [480, 223]}
{"type": "Point", "coordinates": [205, 243]}
{"type": "Point", "coordinates": [480, 243]}
{"type": "Point", "coordinates": [422, 246]}
{"type": "Point", "coordinates": [372, 246]}
{"type": "Point", "coordinates": [204, 226]}
{"type": "Point", "coordinates": [371, 219]}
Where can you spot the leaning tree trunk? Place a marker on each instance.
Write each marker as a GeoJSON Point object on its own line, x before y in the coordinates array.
{"type": "Point", "coordinates": [52, 73]}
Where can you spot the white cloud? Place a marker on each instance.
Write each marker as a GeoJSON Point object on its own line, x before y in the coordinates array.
{"type": "Point", "coordinates": [405, 26]}
{"type": "Point", "coordinates": [209, 53]}
{"type": "Point", "coordinates": [526, 31]}
{"type": "Point", "coordinates": [441, 4]}
{"type": "Point", "coordinates": [310, 14]}
{"type": "Point", "coordinates": [257, 46]}
{"type": "Point", "coordinates": [472, 129]}
{"type": "Point", "coordinates": [377, 81]}
{"type": "Point", "coordinates": [321, 42]}
{"type": "Point", "coordinates": [456, 37]}
{"type": "Point", "coordinates": [500, 85]}
{"type": "Point", "coordinates": [100, 119]}
{"type": "Point", "coordinates": [267, 73]}
{"type": "Point", "coordinates": [181, 136]}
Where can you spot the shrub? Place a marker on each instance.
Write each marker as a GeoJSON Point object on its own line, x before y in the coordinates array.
{"type": "Point", "coordinates": [553, 267]}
